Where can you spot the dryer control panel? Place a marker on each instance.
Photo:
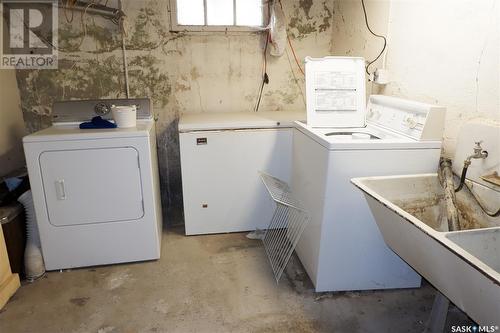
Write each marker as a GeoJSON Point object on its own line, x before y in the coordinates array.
{"type": "Point", "coordinates": [417, 120]}
{"type": "Point", "coordinates": [84, 110]}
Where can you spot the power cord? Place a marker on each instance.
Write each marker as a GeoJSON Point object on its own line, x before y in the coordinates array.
{"type": "Point", "coordinates": [265, 77]}
{"type": "Point", "coordinates": [290, 43]}
{"type": "Point", "coordinates": [374, 34]}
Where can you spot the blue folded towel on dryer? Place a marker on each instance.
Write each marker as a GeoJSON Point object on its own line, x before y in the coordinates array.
{"type": "Point", "coordinates": [97, 122]}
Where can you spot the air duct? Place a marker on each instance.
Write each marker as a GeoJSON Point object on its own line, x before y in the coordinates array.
{"type": "Point", "coordinates": [33, 259]}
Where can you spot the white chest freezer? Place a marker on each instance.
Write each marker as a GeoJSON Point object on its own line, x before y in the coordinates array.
{"type": "Point", "coordinates": [221, 155]}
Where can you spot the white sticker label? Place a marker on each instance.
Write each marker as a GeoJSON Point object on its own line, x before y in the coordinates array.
{"type": "Point", "coordinates": [335, 100]}
{"type": "Point", "coordinates": [335, 80]}
{"type": "Point", "coordinates": [335, 91]}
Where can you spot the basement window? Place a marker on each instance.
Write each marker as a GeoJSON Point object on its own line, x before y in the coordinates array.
{"type": "Point", "coordinates": [217, 15]}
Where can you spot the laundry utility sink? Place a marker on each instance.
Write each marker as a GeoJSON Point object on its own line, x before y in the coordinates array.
{"type": "Point", "coordinates": [464, 265]}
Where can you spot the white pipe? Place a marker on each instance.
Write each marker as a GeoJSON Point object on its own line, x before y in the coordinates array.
{"type": "Point", "coordinates": [33, 259]}
{"type": "Point", "coordinates": [90, 10]}
{"type": "Point", "coordinates": [124, 50]}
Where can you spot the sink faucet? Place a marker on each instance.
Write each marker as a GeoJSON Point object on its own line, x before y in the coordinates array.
{"type": "Point", "coordinates": [479, 153]}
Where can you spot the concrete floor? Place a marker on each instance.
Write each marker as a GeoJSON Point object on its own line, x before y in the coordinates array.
{"type": "Point", "coordinates": [217, 283]}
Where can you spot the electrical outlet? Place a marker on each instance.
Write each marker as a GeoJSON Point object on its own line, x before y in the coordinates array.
{"type": "Point", "coordinates": [381, 76]}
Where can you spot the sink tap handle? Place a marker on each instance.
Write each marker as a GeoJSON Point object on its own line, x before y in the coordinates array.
{"type": "Point", "coordinates": [477, 148]}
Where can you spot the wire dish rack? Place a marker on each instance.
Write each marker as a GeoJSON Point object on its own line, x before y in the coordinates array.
{"type": "Point", "coordinates": [286, 226]}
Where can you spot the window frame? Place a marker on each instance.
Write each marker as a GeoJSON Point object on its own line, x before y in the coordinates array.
{"type": "Point", "coordinates": [175, 27]}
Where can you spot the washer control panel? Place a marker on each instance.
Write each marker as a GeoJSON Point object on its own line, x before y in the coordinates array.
{"type": "Point", "coordinates": [413, 119]}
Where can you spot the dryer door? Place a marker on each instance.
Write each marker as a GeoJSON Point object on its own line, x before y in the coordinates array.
{"type": "Point", "coordinates": [92, 185]}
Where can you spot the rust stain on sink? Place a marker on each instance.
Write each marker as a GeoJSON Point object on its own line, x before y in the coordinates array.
{"type": "Point", "coordinates": [431, 210]}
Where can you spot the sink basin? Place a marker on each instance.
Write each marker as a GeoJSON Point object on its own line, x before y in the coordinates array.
{"type": "Point", "coordinates": [463, 265]}
{"type": "Point", "coordinates": [482, 244]}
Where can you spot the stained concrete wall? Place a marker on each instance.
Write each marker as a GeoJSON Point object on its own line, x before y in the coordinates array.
{"type": "Point", "coordinates": [181, 72]}
{"type": "Point", "coordinates": [350, 36]}
{"type": "Point", "coordinates": [444, 52]}
{"type": "Point", "coordinates": [447, 52]}
{"type": "Point", "coordinates": [11, 124]}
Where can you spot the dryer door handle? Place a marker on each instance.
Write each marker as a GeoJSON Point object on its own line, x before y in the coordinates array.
{"type": "Point", "coordinates": [60, 189]}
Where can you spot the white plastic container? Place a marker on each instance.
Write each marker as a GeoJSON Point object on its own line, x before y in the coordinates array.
{"type": "Point", "coordinates": [125, 116]}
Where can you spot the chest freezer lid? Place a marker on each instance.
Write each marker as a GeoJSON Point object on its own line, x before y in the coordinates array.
{"type": "Point", "coordinates": [212, 121]}
{"type": "Point", "coordinates": [335, 89]}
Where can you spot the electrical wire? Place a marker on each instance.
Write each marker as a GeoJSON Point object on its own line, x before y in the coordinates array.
{"type": "Point", "coordinates": [265, 77]}
{"type": "Point", "coordinates": [374, 34]}
{"type": "Point", "coordinates": [83, 23]}
{"type": "Point", "coordinates": [295, 79]}
{"type": "Point", "coordinates": [69, 4]}
{"type": "Point", "coordinates": [290, 43]}
{"type": "Point", "coordinates": [124, 49]}
{"type": "Point", "coordinates": [294, 55]}
{"type": "Point", "coordinates": [96, 8]}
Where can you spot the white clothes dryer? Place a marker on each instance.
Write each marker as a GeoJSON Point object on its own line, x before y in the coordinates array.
{"type": "Point", "coordinates": [96, 191]}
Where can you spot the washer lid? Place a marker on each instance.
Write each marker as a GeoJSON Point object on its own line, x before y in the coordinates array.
{"type": "Point", "coordinates": [67, 132]}
{"type": "Point", "coordinates": [213, 121]}
{"type": "Point", "coordinates": [335, 92]}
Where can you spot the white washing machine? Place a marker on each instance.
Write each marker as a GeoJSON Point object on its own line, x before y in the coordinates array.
{"type": "Point", "coordinates": [341, 247]}
{"type": "Point", "coordinates": [96, 191]}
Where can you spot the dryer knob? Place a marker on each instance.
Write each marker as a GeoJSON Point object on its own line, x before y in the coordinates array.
{"type": "Point", "coordinates": [102, 109]}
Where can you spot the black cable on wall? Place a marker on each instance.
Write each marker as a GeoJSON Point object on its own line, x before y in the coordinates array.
{"type": "Point", "coordinates": [374, 34]}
